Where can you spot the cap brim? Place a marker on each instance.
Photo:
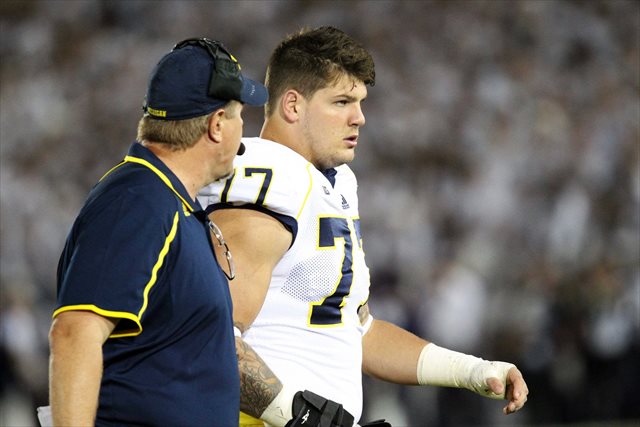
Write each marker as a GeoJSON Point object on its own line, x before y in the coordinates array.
{"type": "Point", "coordinates": [253, 93]}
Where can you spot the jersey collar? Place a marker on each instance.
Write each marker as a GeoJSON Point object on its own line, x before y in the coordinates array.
{"type": "Point", "coordinates": [330, 174]}
{"type": "Point", "coordinates": [143, 156]}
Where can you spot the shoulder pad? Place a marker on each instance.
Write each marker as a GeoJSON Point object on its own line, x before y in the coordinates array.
{"type": "Point", "coordinates": [268, 175]}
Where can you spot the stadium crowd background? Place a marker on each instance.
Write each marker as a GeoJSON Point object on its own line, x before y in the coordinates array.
{"type": "Point", "coordinates": [499, 177]}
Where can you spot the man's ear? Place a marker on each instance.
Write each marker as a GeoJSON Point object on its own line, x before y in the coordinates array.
{"type": "Point", "coordinates": [291, 104]}
{"type": "Point", "coordinates": [216, 123]}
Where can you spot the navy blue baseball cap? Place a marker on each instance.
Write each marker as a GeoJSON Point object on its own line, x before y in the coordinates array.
{"type": "Point", "coordinates": [197, 77]}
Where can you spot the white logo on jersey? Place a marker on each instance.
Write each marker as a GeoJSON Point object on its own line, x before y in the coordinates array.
{"type": "Point", "coordinates": [305, 417]}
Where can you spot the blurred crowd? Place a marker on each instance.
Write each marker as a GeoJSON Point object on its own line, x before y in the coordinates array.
{"type": "Point", "coordinates": [499, 179]}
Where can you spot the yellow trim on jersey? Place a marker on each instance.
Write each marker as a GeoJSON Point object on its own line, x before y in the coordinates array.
{"type": "Point", "coordinates": [156, 267]}
{"type": "Point", "coordinates": [360, 247]}
{"type": "Point", "coordinates": [162, 176]}
{"type": "Point", "coordinates": [319, 303]}
{"type": "Point", "coordinates": [145, 294]}
{"type": "Point", "coordinates": [247, 420]}
{"type": "Point", "coordinates": [104, 313]}
{"type": "Point", "coordinates": [306, 197]}
{"type": "Point", "coordinates": [335, 288]}
{"type": "Point", "coordinates": [157, 171]}
{"type": "Point", "coordinates": [112, 169]}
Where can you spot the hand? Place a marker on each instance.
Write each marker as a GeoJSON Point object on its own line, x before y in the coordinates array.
{"type": "Point", "coordinates": [517, 390]}
{"type": "Point", "coordinates": [492, 379]}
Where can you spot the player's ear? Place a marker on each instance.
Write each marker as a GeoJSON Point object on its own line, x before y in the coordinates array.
{"type": "Point", "coordinates": [215, 125]}
{"type": "Point", "coordinates": [290, 103]}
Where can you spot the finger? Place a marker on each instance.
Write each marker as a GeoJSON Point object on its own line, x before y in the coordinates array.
{"type": "Point", "coordinates": [511, 407]}
{"type": "Point", "coordinates": [517, 385]}
{"type": "Point", "coordinates": [516, 403]}
{"type": "Point", "coordinates": [495, 385]}
{"type": "Point", "coordinates": [514, 376]}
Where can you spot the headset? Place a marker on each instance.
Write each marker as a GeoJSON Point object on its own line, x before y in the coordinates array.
{"type": "Point", "coordinates": [226, 80]}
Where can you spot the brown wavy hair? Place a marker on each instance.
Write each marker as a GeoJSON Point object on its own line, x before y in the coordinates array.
{"type": "Point", "coordinates": [312, 59]}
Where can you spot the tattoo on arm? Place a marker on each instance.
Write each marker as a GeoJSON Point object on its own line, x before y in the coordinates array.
{"type": "Point", "coordinates": [258, 384]}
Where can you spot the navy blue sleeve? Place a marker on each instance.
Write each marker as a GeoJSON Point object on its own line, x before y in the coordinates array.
{"type": "Point", "coordinates": [113, 254]}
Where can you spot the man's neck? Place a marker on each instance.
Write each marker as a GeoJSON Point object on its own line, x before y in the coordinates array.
{"type": "Point", "coordinates": [183, 163]}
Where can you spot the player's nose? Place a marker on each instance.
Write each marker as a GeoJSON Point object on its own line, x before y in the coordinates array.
{"type": "Point", "coordinates": [357, 118]}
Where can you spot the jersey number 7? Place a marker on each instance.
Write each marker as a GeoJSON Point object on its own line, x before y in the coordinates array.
{"type": "Point", "coordinates": [328, 312]}
{"type": "Point", "coordinates": [248, 172]}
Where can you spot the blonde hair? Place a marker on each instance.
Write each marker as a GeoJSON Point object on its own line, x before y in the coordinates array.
{"type": "Point", "coordinates": [178, 134]}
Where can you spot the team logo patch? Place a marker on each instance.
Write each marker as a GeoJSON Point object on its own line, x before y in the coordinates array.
{"type": "Point", "coordinates": [326, 190]}
{"type": "Point", "coordinates": [345, 204]}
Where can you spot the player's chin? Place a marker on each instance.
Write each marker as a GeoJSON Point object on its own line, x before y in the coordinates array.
{"type": "Point", "coordinates": [347, 155]}
{"type": "Point", "coordinates": [336, 159]}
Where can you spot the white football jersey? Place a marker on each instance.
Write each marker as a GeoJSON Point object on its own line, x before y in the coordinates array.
{"type": "Point", "coordinates": [308, 330]}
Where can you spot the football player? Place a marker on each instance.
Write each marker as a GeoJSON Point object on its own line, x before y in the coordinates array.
{"type": "Point", "coordinates": [290, 215]}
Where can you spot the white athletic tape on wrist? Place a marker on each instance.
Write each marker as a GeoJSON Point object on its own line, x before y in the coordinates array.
{"type": "Point", "coordinates": [441, 367]}
{"type": "Point", "coordinates": [279, 411]}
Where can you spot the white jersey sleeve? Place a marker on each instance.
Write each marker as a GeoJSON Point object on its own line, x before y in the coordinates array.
{"type": "Point", "coordinates": [267, 177]}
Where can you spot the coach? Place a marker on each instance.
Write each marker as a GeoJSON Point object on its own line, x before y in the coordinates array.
{"type": "Point", "coordinates": [142, 333]}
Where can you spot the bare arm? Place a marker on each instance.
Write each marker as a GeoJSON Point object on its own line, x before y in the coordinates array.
{"type": "Point", "coordinates": [393, 354]}
{"type": "Point", "coordinates": [257, 242]}
{"type": "Point", "coordinates": [258, 384]}
{"type": "Point", "coordinates": [382, 357]}
{"type": "Point", "coordinates": [76, 340]}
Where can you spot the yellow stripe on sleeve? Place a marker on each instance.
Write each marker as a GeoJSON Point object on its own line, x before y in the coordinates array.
{"type": "Point", "coordinates": [105, 313]}
{"type": "Point", "coordinates": [124, 315]}
{"type": "Point", "coordinates": [306, 197]}
{"type": "Point", "coordinates": [156, 267]}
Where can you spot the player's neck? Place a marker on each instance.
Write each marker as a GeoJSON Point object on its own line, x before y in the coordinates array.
{"type": "Point", "coordinates": [284, 133]}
